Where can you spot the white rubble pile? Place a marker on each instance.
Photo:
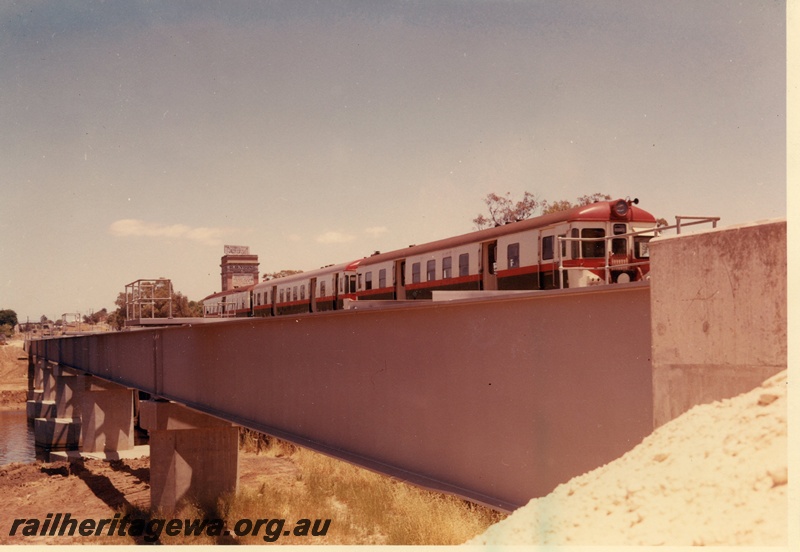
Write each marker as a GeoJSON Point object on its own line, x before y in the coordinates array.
{"type": "Point", "coordinates": [717, 475]}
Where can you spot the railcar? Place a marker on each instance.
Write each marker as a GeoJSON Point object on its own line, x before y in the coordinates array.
{"type": "Point", "coordinates": [601, 243]}
{"type": "Point", "coordinates": [604, 242]}
{"type": "Point", "coordinates": [228, 304]}
{"type": "Point", "coordinates": [314, 291]}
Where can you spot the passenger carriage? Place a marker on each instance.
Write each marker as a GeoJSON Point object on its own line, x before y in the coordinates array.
{"type": "Point", "coordinates": [605, 242]}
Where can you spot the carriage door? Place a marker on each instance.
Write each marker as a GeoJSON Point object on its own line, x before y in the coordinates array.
{"type": "Point", "coordinates": [274, 295]}
{"type": "Point", "coordinates": [335, 291]}
{"type": "Point", "coordinates": [489, 265]}
{"type": "Point", "coordinates": [400, 280]}
{"type": "Point", "coordinates": [547, 262]}
{"type": "Point", "coordinates": [312, 295]}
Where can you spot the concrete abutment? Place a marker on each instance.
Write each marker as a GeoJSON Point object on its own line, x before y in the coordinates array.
{"type": "Point", "coordinates": [718, 314]}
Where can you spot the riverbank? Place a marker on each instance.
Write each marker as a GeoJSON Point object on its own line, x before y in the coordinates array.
{"type": "Point", "coordinates": [13, 375]}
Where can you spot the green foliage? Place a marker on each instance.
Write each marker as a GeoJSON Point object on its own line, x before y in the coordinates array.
{"type": "Point", "coordinates": [96, 317]}
{"type": "Point", "coordinates": [279, 274]}
{"type": "Point", "coordinates": [159, 307]}
{"type": "Point", "coordinates": [503, 209]}
{"type": "Point", "coordinates": [8, 317]}
{"type": "Point", "coordinates": [563, 205]}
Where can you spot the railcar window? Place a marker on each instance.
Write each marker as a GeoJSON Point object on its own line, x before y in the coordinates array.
{"type": "Point", "coordinates": [463, 264]}
{"type": "Point", "coordinates": [415, 273]}
{"type": "Point", "coordinates": [547, 247]}
{"type": "Point", "coordinates": [431, 271]}
{"type": "Point", "coordinates": [641, 246]}
{"type": "Point", "coordinates": [619, 246]}
{"type": "Point", "coordinates": [382, 278]}
{"type": "Point", "coordinates": [322, 289]}
{"type": "Point", "coordinates": [281, 295]}
{"type": "Point", "coordinates": [447, 267]}
{"type": "Point", "coordinates": [368, 280]}
{"type": "Point", "coordinates": [563, 245]}
{"type": "Point", "coordinates": [593, 248]}
{"type": "Point", "coordinates": [294, 293]}
{"type": "Point", "coordinates": [619, 229]}
{"type": "Point", "coordinates": [513, 255]}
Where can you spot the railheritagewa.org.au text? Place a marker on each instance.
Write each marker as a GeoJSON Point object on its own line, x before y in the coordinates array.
{"type": "Point", "coordinates": [153, 530]}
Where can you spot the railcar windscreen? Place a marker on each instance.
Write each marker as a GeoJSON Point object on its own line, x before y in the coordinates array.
{"type": "Point", "coordinates": [593, 249]}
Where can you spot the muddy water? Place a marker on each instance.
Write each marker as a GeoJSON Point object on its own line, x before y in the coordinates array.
{"type": "Point", "coordinates": [16, 438]}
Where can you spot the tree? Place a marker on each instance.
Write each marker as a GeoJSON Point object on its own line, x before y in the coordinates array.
{"type": "Point", "coordinates": [279, 274]}
{"type": "Point", "coordinates": [8, 320]}
{"type": "Point", "coordinates": [502, 210]}
{"type": "Point", "coordinates": [563, 205]}
{"type": "Point", "coordinates": [8, 316]}
{"type": "Point", "coordinates": [182, 307]}
{"type": "Point", "coordinates": [96, 317]}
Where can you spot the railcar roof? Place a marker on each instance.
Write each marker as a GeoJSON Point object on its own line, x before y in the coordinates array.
{"type": "Point", "coordinates": [599, 211]}
{"type": "Point", "coordinates": [229, 292]}
{"type": "Point", "coordinates": [309, 274]}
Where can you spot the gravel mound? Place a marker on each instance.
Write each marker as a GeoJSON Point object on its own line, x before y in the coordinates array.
{"type": "Point", "coordinates": [717, 475]}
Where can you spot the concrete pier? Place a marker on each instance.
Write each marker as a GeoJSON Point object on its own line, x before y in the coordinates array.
{"type": "Point", "coordinates": [41, 402]}
{"type": "Point", "coordinates": [193, 456]}
{"type": "Point", "coordinates": [106, 414]}
{"type": "Point", "coordinates": [75, 410]}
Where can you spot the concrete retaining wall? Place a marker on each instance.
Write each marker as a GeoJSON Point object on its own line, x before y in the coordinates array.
{"type": "Point", "coordinates": [719, 308]}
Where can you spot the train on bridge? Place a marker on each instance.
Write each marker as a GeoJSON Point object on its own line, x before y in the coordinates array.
{"type": "Point", "coordinates": [602, 243]}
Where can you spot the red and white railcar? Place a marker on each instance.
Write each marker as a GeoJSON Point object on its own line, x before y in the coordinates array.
{"type": "Point", "coordinates": [605, 242]}
{"type": "Point", "coordinates": [228, 304]}
{"type": "Point", "coordinates": [313, 291]}
{"type": "Point", "coordinates": [601, 243]}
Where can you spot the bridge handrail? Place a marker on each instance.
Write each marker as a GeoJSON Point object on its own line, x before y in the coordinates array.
{"type": "Point", "coordinates": [655, 232]}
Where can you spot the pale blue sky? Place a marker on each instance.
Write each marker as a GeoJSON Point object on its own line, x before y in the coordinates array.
{"type": "Point", "coordinates": [139, 137]}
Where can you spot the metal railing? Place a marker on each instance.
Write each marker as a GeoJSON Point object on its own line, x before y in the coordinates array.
{"type": "Point", "coordinates": [612, 263]}
{"type": "Point", "coordinates": [141, 298]}
{"type": "Point", "coordinates": [220, 309]}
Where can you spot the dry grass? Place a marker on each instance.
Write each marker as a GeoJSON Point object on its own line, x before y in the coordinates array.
{"type": "Point", "coordinates": [364, 507]}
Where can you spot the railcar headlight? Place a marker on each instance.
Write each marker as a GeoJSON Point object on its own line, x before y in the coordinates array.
{"type": "Point", "coordinates": [621, 208]}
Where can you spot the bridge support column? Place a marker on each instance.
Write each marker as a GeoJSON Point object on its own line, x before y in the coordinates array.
{"type": "Point", "coordinates": [193, 456]}
{"type": "Point", "coordinates": [56, 422]}
{"type": "Point", "coordinates": [86, 413]}
{"type": "Point", "coordinates": [106, 414]}
{"type": "Point", "coordinates": [41, 390]}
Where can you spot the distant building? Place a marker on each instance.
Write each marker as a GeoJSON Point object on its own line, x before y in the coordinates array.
{"type": "Point", "coordinates": [239, 267]}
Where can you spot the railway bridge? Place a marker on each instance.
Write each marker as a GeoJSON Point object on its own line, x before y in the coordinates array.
{"type": "Point", "coordinates": [497, 399]}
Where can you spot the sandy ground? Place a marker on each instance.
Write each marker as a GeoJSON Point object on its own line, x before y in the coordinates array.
{"type": "Point", "coordinates": [717, 475]}
{"type": "Point", "coordinates": [13, 376]}
{"type": "Point", "coordinates": [97, 490]}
